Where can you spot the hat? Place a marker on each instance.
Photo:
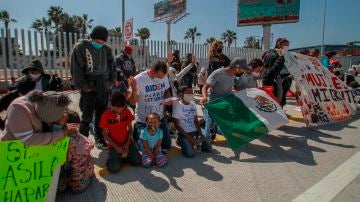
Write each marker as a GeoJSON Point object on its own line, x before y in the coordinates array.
{"type": "Point", "coordinates": [99, 32]}
{"type": "Point", "coordinates": [279, 41]}
{"type": "Point", "coordinates": [128, 49]}
{"type": "Point", "coordinates": [49, 106]}
{"type": "Point", "coordinates": [238, 62]}
{"type": "Point", "coordinates": [35, 64]}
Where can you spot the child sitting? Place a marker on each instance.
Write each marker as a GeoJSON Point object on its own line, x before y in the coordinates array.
{"type": "Point", "coordinates": [150, 142]}
{"type": "Point", "coordinates": [117, 130]}
{"type": "Point", "coordinates": [79, 167]}
{"type": "Point", "coordinates": [186, 122]}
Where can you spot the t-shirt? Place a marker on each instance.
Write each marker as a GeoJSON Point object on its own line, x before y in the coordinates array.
{"type": "Point", "coordinates": [221, 83]}
{"type": "Point", "coordinates": [151, 95]}
{"type": "Point", "coordinates": [117, 124]}
{"type": "Point", "coordinates": [185, 114]}
{"type": "Point", "coordinates": [245, 81]}
{"type": "Point", "coordinates": [152, 139]}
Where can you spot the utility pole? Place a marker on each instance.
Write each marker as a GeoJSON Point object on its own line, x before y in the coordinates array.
{"type": "Point", "coordinates": [123, 21]}
{"type": "Point", "coordinates": [323, 30]}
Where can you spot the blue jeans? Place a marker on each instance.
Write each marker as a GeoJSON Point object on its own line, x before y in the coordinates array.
{"type": "Point", "coordinates": [166, 140]}
{"type": "Point", "coordinates": [209, 124]}
{"type": "Point", "coordinates": [187, 148]}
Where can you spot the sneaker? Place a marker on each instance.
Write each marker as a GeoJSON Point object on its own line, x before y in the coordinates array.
{"type": "Point", "coordinates": [101, 145]}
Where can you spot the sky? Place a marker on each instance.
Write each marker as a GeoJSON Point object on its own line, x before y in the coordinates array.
{"type": "Point", "coordinates": [211, 17]}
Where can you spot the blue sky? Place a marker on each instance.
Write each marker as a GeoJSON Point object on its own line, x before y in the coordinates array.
{"type": "Point", "coordinates": [211, 17]}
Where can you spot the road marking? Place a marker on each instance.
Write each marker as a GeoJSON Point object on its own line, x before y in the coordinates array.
{"type": "Point", "coordinates": [330, 186]}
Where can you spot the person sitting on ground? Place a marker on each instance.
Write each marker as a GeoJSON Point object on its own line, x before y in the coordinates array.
{"type": "Point", "coordinates": [78, 170]}
{"type": "Point", "coordinates": [150, 142]}
{"type": "Point", "coordinates": [117, 130]}
{"type": "Point", "coordinates": [248, 78]}
{"type": "Point", "coordinates": [35, 72]}
{"type": "Point", "coordinates": [56, 83]}
{"type": "Point", "coordinates": [22, 88]}
{"type": "Point", "coordinates": [37, 111]}
{"type": "Point", "coordinates": [350, 76]}
{"type": "Point", "coordinates": [186, 122]}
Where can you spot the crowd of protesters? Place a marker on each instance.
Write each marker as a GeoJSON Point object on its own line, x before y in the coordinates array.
{"type": "Point", "coordinates": [131, 112]}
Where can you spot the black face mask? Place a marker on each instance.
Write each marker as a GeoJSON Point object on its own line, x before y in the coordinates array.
{"type": "Point", "coordinates": [219, 50]}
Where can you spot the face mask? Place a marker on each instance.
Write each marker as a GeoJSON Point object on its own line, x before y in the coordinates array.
{"type": "Point", "coordinates": [34, 76]}
{"type": "Point", "coordinates": [56, 127]}
{"type": "Point", "coordinates": [285, 48]}
{"type": "Point", "coordinates": [219, 50]}
{"type": "Point", "coordinates": [188, 97]}
{"type": "Point", "coordinates": [97, 45]}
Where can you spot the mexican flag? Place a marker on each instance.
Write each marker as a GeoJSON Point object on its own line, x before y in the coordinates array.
{"type": "Point", "coordinates": [246, 115]}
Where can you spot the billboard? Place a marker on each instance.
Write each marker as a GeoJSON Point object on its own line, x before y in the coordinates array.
{"type": "Point", "coordinates": [165, 8]}
{"type": "Point", "coordinates": [260, 12]}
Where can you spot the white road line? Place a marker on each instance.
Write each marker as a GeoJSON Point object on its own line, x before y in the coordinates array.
{"type": "Point", "coordinates": [330, 186]}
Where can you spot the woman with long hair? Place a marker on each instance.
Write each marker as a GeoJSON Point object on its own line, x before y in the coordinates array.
{"type": "Point", "coordinates": [216, 57]}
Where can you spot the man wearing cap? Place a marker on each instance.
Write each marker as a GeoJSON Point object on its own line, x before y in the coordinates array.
{"type": "Point", "coordinates": [220, 82]}
{"type": "Point", "coordinates": [125, 68]}
{"type": "Point", "coordinates": [35, 72]}
{"type": "Point", "coordinates": [93, 73]}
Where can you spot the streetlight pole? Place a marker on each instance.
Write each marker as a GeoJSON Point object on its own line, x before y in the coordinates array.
{"type": "Point", "coordinates": [323, 30]}
{"type": "Point", "coordinates": [123, 21]}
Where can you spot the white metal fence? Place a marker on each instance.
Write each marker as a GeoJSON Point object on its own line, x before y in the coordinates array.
{"type": "Point", "coordinates": [19, 47]}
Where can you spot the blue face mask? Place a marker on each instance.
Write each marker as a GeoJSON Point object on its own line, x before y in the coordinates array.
{"type": "Point", "coordinates": [97, 45]}
{"type": "Point", "coordinates": [56, 127]}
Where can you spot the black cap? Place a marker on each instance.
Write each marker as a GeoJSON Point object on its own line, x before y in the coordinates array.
{"type": "Point", "coordinates": [35, 64]}
{"type": "Point", "coordinates": [99, 32]}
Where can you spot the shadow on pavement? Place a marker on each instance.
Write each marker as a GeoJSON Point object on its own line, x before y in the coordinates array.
{"type": "Point", "coordinates": [339, 125]}
{"type": "Point", "coordinates": [174, 169]}
{"type": "Point", "coordinates": [276, 151]}
{"type": "Point", "coordinates": [96, 191]}
{"type": "Point", "coordinates": [314, 135]}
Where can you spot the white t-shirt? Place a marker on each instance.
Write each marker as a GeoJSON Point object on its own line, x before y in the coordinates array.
{"type": "Point", "coordinates": [151, 95]}
{"type": "Point", "coordinates": [185, 114]}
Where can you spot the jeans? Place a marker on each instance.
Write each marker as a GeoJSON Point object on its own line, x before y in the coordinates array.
{"type": "Point", "coordinates": [209, 125]}
{"type": "Point", "coordinates": [88, 104]}
{"type": "Point", "coordinates": [187, 148]}
{"type": "Point", "coordinates": [113, 162]}
{"type": "Point", "coordinates": [166, 140]}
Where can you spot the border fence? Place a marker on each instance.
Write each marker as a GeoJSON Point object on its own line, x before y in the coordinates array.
{"type": "Point", "coordinates": [18, 47]}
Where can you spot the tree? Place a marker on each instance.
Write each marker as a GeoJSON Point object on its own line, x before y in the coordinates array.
{"type": "Point", "coordinates": [43, 24]}
{"type": "Point", "coordinates": [82, 23]}
{"type": "Point", "coordinates": [5, 18]}
{"type": "Point", "coordinates": [209, 41]}
{"type": "Point", "coordinates": [143, 33]}
{"type": "Point", "coordinates": [228, 37]}
{"type": "Point", "coordinates": [116, 32]}
{"type": "Point", "coordinates": [252, 42]}
{"type": "Point", "coordinates": [55, 13]}
{"type": "Point", "coordinates": [172, 43]}
{"type": "Point", "coordinates": [191, 34]}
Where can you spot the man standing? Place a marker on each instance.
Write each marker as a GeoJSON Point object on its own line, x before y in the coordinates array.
{"type": "Point", "coordinates": [221, 82]}
{"type": "Point", "coordinates": [149, 89]}
{"type": "Point", "coordinates": [93, 73]}
{"type": "Point", "coordinates": [125, 66]}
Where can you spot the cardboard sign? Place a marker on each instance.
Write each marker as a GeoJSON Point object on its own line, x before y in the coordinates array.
{"type": "Point", "coordinates": [322, 96]}
{"type": "Point", "coordinates": [26, 172]}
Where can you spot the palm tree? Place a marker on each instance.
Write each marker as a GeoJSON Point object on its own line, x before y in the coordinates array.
{"type": "Point", "coordinates": [116, 32]}
{"type": "Point", "coordinates": [55, 13]}
{"type": "Point", "coordinates": [228, 37]}
{"type": "Point", "coordinates": [191, 34]}
{"type": "Point", "coordinates": [82, 23]}
{"type": "Point", "coordinates": [209, 41]}
{"type": "Point", "coordinates": [143, 33]}
{"type": "Point", "coordinates": [172, 43]}
{"type": "Point", "coordinates": [43, 24]}
{"type": "Point", "coordinates": [5, 17]}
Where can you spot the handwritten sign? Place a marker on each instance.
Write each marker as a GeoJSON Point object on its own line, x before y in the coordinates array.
{"type": "Point", "coordinates": [322, 96]}
{"type": "Point", "coordinates": [26, 172]}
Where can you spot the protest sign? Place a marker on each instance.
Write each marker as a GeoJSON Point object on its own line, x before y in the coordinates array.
{"type": "Point", "coordinates": [322, 96]}
{"type": "Point", "coordinates": [26, 172]}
